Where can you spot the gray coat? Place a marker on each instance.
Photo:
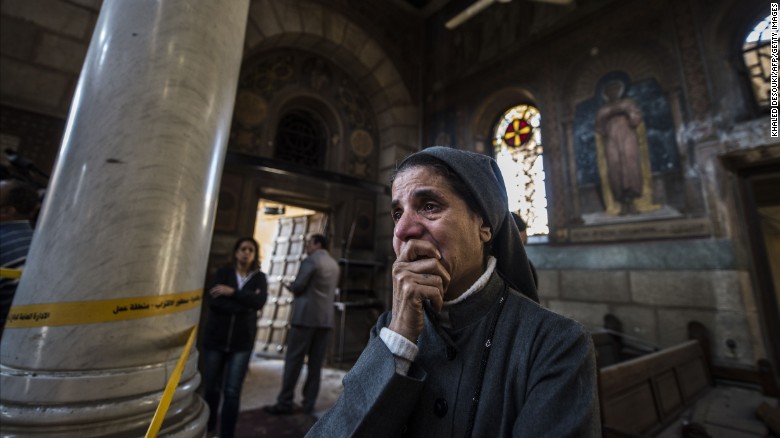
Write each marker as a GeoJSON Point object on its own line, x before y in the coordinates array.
{"type": "Point", "coordinates": [540, 378]}
{"type": "Point", "coordinates": [314, 289]}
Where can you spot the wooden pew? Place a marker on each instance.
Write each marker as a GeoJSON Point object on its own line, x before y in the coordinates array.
{"type": "Point", "coordinates": [641, 396]}
{"type": "Point", "coordinates": [762, 375]}
{"type": "Point", "coordinates": [613, 346]}
{"type": "Point", "coordinates": [672, 393]}
{"type": "Point", "coordinates": [607, 349]}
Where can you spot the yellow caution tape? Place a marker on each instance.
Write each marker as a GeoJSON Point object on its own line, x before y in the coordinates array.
{"type": "Point", "coordinates": [10, 273]}
{"type": "Point", "coordinates": [170, 388]}
{"type": "Point", "coordinates": [92, 312]}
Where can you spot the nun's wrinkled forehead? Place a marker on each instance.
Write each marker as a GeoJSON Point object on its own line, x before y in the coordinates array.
{"type": "Point", "coordinates": [475, 176]}
{"type": "Point", "coordinates": [439, 167]}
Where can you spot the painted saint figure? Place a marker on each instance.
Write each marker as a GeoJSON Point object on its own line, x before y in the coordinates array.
{"type": "Point", "coordinates": [621, 146]}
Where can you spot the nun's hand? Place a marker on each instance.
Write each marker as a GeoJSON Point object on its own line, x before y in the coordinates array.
{"type": "Point", "coordinates": [418, 275]}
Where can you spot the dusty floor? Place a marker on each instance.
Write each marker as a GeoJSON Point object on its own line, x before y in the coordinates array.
{"type": "Point", "coordinates": [264, 380]}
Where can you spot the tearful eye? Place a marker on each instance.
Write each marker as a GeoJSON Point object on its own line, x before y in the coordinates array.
{"type": "Point", "coordinates": [429, 207]}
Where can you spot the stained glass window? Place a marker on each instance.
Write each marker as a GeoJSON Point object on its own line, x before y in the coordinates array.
{"type": "Point", "coordinates": [517, 144]}
{"type": "Point", "coordinates": [757, 54]}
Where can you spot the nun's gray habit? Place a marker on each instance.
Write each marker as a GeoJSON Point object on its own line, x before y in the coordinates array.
{"type": "Point", "coordinates": [503, 366]}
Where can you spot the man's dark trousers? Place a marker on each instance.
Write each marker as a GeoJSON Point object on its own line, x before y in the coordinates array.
{"type": "Point", "coordinates": [301, 342]}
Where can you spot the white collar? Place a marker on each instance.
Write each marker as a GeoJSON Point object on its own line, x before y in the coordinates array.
{"type": "Point", "coordinates": [478, 285]}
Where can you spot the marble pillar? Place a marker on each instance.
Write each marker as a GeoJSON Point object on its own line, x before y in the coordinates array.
{"type": "Point", "coordinates": [115, 271]}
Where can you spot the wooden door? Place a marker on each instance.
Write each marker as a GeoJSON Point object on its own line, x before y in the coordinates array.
{"type": "Point", "coordinates": [274, 320]}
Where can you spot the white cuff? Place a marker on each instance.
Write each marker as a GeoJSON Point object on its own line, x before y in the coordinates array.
{"type": "Point", "coordinates": [404, 351]}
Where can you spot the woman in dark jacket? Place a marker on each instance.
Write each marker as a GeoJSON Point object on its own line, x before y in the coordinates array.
{"type": "Point", "coordinates": [239, 291]}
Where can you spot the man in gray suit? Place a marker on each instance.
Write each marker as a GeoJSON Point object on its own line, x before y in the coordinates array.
{"type": "Point", "coordinates": [311, 322]}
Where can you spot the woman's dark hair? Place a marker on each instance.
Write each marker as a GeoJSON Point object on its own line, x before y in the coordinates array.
{"type": "Point", "coordinates": [521, 225]}
{"type": "Point", "coordinates": [255, 264]}
{"type": "Point", "coordinates": [441, 169]}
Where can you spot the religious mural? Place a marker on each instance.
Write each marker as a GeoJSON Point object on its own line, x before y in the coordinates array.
{"type": "Point", "coordinates": [624, 145]}
{"type": "Point", "coordinates": [621, 153]}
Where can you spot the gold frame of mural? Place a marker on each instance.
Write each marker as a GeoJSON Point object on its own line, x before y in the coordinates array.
{"type": "Point", "coordinates": [642, 230]}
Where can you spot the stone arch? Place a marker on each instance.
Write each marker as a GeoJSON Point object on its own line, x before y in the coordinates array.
{"type": "Point", "coordinates": [317, 28]}
{"type": "Point", "coordinates": [334, 159]}
{"type": "Point", "coordinates": [728, 33]}
{"type": "Point", "coordinates": [490, 109]}
{"type": "Point", "coordinates": [275, 82]}
{"type": "Point", "coordinates": [733, 25]}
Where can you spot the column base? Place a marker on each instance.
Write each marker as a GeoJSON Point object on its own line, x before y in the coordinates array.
{"type": "Point", "coordinates": [130, 417]}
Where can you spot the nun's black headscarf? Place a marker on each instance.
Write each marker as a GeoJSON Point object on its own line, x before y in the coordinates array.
{"type": "Point", "coordinates": [482, 178]}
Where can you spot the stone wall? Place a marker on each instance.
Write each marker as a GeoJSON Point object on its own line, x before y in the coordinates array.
{"type": "Point", "coordinates": [42, 48]}
{"type": "Point", "coordinates": [655, 289]}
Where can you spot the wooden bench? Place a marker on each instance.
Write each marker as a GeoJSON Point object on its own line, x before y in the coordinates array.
{"type": "Point", "coordinates": [613, 346]}
{"type": "Point", "coordinates": [643, 395]}
{"type": "Point", "coordinates": [672, 393]}
{"type": "Point", "coordinates": [762, 375]}
{"type": "Point", "coordinates": [607, 348]}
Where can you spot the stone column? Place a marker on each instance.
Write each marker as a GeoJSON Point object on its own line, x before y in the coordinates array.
{"type": "Point", "coordinates": [114, 275]}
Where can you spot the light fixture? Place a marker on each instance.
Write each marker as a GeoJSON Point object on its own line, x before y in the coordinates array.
{"type": "Point", "coordinates": [479, 5]}
{"type": "Point", "coordinates": [275, 210]}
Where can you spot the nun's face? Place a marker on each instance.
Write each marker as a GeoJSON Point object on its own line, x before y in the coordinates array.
{"type": "Point", "coordinates": [425, 207]}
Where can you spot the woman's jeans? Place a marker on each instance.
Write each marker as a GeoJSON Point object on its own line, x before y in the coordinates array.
{"type": "Point", "coordinates": [232, 366]}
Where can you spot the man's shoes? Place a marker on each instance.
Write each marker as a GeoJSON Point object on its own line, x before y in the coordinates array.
{"type": "Point", "coordinates": [278, 410]}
